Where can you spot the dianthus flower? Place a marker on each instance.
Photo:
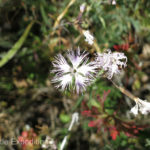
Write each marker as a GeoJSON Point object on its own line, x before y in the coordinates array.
{"type": "Point", "coordinates": [112, 63]}
{"type": "Point", "coordinates": [141, 106]}
{"type": "Point", "coordinates": [75, 71]}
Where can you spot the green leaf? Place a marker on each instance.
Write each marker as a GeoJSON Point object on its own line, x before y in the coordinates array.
{"type": "Point", "coordinates": [79, 101]}
{"type": "Point", "coordinates": [64, 118]}
{"type": "Point", "coordinates": [102, 21]}
{"type": "Point", "coordinates": [94, 103]}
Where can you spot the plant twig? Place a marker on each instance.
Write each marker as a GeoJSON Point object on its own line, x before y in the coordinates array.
{"type": "Point", "coordinates": [126, 92]}
{"type": "Point", "coordinates": [95, 44]}
{"type": "Point", "coordinates": [62, 15]}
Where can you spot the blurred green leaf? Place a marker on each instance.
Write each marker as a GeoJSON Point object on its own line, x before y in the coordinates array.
{"type": "Point", "coordinates": [102, 21]}
{"type": "Point", "coordinates": [16, 47]}
{"type": "Point", "coordinates": [95, 103]}
{"type": "Point", "coordinates": [64, 118]}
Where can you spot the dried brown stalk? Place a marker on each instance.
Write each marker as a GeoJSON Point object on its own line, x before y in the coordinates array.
{"type": "Point", "coordinates": [126, 92]}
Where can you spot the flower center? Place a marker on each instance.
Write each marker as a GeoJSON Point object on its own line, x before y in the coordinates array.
{"type": "Point", "coordinates": [74, 70]}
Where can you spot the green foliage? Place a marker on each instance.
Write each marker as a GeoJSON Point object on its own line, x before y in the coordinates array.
{"type": "Point", "coordinates": [121, 142]}
{"type": "Point", "coordinates": [16, 47]}
{"type": "Point", "coordinates": [102, 86]}
{"type": "Point", "coordinates": [64, 118]}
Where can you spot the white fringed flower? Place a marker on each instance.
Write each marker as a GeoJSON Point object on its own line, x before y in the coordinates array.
{"type": "Point", "coordinates": [89, 38]}
{"type": "Point", "coordinates": [75, 71]}
{"type": "Point", "coordinates": [113, 2]}
{"type": "Point", "coordinates": [112, 63]}
{"type": "Point", "coordinates": [141, 106]}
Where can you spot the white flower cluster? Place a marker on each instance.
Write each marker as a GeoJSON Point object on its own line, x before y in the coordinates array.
{"type": "Point", "coordinates": [112, 63]}
{"type": "Point", "coordinates": [77, 72]}
{"type": "Point", "coordinates": [141, 106]}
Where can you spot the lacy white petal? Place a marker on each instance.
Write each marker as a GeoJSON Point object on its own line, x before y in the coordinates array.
{"type": "Point", "coordinates": [80, 83]}
{"type": "Point", "coordinates": [111, 62]}
{"type": "Point", "coordinates": [60, 65]}
{"type": "Point", "coordinates": [134, 110]}
{"type": "Point", "coordinates": [89, 38]}
{"type": "Point", "coordinates": [141, 106]}
{"type": "Point", "coordinates": [63, 81]}
{"type": "Point", "coordinates": [144, 106]}
{"type": "Point", "coordinates": [87, 69]}
{"type": "Point", "coordinates": [76, 58]}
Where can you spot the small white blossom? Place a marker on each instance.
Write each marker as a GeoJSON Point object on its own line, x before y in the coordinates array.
{"type": "Point", "coordinates": [141, 106]}
{"type": "Point", "coordinates": [89, 38]}
{"type": "Point", "coordinates": [75, 119]}
{"type": "Point", "coordinates": [113, 2]}
{"type": "Point", "coordinates": [75, 71]}
{"type": "Point", "coordinates": [112, 63]}
{"type": "Point", "coordinates": [49, 143]}
{"type": "Point", "coordinates": [82, 7]}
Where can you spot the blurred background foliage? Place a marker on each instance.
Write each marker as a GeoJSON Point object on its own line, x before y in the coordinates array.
{"type": "Point", "coordinates": [32, 33]}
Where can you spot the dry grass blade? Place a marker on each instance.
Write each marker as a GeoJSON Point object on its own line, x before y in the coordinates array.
{"type": "Point", "coordinates": [63, 14]}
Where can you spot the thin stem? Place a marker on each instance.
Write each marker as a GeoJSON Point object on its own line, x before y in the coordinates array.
{"type": "Point", "coordinates": [62, 15]}
{"type": "Point", "coordinates": [126, 92]}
